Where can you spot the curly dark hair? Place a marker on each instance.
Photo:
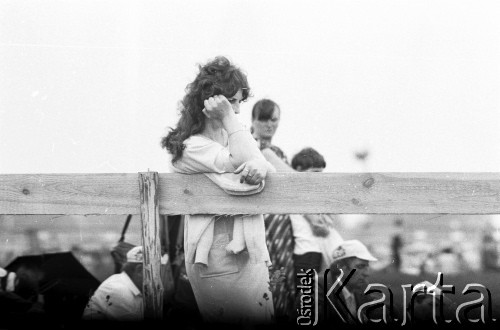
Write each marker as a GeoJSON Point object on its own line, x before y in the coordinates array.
{"type": "Point", "coordinates": [217, 77]}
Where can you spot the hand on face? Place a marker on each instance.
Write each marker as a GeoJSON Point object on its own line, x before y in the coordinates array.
{"type": "Point", "coordinates": [253, 171]}
{"type": "Point", "coordinates": [217, 107]}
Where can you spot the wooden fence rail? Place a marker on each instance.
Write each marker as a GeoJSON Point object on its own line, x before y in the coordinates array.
{"type": "Point", "coordinates": [151, 194]}
{"type": "Point", "coordinates": [347, 193]}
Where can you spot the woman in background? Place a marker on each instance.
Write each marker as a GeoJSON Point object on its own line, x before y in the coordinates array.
{"type": "Point", "coordinates": [265, 120]}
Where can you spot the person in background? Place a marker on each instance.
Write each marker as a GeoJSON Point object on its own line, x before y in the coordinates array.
{"type": "Point", "coordinates": [7, 280]}
{"type": "Point", "coordinates": [397, 244]}
{"type": "Point", "coordinates": [416, 256]}
{"type": "Point", "coordinates": [265, 121]}
{"type": "Point", "coordinates": [314, 235]}
{"type": "Point", "coordinates": [119, 297]}
{"type": "Point", "coordinates": [426, 297]}
{"type": "Point", "coordinates": [266, 116]}
{"type": "Point", "coordinates": [349, 255]}
{"type": "Point", "coordinates": [17, 311]}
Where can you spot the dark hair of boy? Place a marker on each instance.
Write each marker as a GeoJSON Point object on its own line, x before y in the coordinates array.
{"type": "Point", "coordinates": [308, 158]}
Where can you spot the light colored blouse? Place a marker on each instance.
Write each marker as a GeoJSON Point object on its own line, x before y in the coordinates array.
{"type": "Point", "coordinates": [203, 155]}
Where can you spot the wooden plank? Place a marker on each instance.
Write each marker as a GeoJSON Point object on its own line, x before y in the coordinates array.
{"type": "Point", "coordinates": [354, 193]}
{"type": "Point", "coordinates": [69, 194]}
{"type": "Point", "coordinates": [150, 218]}
{"type": "Point", "coordinates": [344, 193]}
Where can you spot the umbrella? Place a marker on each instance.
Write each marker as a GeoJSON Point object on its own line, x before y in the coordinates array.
{"type": "Point", "coordinates": [62, 280]}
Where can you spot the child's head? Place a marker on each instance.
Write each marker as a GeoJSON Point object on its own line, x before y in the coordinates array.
{"type": "Point", "coordinates": [308, 160]}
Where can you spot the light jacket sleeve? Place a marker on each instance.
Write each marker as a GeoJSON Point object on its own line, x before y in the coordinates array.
{"type": "Point", "coordinates": [202, 155]}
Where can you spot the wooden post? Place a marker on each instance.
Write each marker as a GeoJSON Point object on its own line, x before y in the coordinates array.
{"type": "Point", "coordinates": [150, 218]}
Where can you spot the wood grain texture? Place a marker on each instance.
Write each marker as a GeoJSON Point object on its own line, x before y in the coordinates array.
{"type": "Point", "coordinates": [348, 193]}
{"type": "Point", "coordinates": [69, 194]}
{"type": "Point", "coordinates": [150, 218]}
{"type": "Point", "coordinates": [354, 193]}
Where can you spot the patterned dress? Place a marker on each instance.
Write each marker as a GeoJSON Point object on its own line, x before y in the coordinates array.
{"type": "Point", "coordinates": [279, 237]}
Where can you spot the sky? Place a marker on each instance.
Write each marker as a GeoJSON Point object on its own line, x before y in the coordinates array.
{"type": "Point", "coordinates": [92, 86]}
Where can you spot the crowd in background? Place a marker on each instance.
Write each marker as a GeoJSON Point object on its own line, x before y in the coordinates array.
{"type": "Point", "coordinates": [394, 241]}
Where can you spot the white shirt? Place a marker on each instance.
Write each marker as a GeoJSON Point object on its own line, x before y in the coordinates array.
{"type": "Point", "coordinates": [305, 241]}
{"type": "Point", "coordinates": [117, 299]}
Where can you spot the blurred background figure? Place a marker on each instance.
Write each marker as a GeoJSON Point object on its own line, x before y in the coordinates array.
{"type": "Point", "coordinates": [397, 244]}
{"type": "Point", "coordinates": [448, 258]}
{"type": "Point", "coordinates": [7, 280]}
{"type": "Point", "coordinates": [266, 116]}
{"type": "Point", "coordinates": [447, 261]}
{"type": "Point", "coordinates": [16, 309]}
{"type": "Point", "coordinates": [490, 245]}
{"type": "Point", "coordinates": [315, 236]}
{"type": "Point", "coordinates": [415, 256]}
{"type": "Point", "coordinates": [423, 295]}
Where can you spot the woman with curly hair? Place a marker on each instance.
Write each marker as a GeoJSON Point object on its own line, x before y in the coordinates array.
{"type": "Point", "coordinates": [230, 285]}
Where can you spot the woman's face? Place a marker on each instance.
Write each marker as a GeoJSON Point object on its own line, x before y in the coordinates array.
{"type": "Point", "coordinates": [265, 129]}
{"type": "Point", "coordinates": [235, 101]}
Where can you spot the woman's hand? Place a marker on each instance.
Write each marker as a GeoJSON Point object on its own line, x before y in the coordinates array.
{"type": "Point", "coordinates": [217, 107]}
{"type": "Point", "coordinates": [253, 171]}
